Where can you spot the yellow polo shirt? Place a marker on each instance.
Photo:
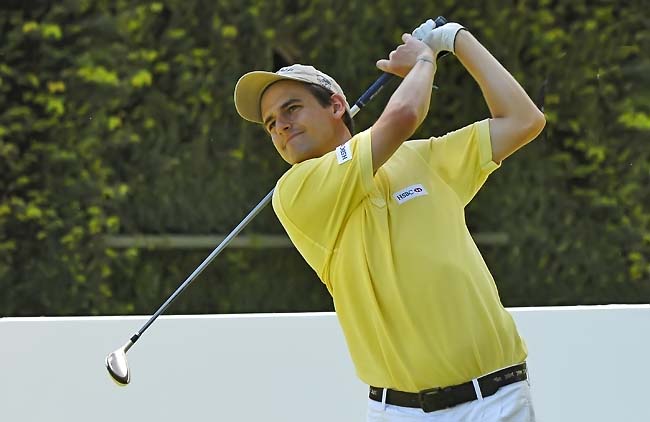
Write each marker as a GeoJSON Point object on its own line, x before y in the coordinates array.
{"type": "Point", "coordinates": [416, 302]}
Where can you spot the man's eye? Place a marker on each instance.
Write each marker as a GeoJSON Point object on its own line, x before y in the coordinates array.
{"type": "Point", "coordinates": [293, 108]}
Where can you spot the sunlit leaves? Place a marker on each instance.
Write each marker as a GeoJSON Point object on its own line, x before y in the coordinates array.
{"type": "Point", "coordinates": [229, 31]}
{"type": "Point", "coordinates": [99, 75]}
{"type": "Point", "coordinates": [635, 120]}
{"type": "Point", "coordinates": [118, 118]}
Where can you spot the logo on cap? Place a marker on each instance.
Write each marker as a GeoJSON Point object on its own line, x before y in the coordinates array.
{"type": "Point", "coordinates": [324, 82]}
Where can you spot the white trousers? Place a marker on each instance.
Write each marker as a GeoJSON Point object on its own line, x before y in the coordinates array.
{"type": "Point", "coordinates": [511, 403]}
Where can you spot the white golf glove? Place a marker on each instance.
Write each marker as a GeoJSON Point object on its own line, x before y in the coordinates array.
{"type": "Point", "coordinates": [438, 39]}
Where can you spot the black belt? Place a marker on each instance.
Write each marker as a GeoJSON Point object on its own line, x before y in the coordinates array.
{"type": "Point", "coordinates": [444, 397]}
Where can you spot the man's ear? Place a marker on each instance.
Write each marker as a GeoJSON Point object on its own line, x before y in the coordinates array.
{"type": "Point", "coordinates": [338, 105]}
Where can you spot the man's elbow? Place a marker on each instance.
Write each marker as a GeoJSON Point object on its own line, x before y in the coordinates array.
{"type": "Point", "coordinates": [410, 120]}
{"type": "Point", "coordinates": [535, 124]}
{"type": "Point", "coordinates": [404, 121]}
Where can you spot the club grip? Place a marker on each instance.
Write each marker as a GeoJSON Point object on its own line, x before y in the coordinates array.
{"type": "Point", "coordinates": [385, 77]}
{"type": "Point", "coordinates": [373, 90]}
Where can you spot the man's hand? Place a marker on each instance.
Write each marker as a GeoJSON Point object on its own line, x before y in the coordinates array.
{"type": "Point", "coordinates": [403, 58]}
{"type": "Point", "coordinates": [438, 39]}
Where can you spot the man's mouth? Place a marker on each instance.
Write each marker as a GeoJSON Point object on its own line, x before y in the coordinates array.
{"type": "Point", "coordinates": [292, 136]}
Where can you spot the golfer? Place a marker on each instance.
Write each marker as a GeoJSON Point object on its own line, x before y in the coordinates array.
{"type": "Point", "coordinates": [380, 218]}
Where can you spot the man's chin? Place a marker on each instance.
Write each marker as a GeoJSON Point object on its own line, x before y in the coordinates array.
{"type": "Point", "coordinates": [292, 159]}
{"type": "Point", "coordinates": [295, 157]}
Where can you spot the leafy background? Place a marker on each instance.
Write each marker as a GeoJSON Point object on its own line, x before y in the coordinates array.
{"type": "Point", "coordinates": [117, 118]}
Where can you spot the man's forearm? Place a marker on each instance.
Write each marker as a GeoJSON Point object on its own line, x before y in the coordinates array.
{"type": "Point", "coordinates": [503, 94]}
{"type": "Point", "coordinates": [411, 91]}
{"type": "Point", "coordinates": [516, 119]}
{"type": "Point", "coordinates": [409, 104]}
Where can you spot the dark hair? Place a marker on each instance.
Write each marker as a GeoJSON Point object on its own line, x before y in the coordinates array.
{"type": "Point", "coordinates": [324, 98]}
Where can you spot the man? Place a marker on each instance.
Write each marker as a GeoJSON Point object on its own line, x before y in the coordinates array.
{"type": "Point", "coordinates": [381, 221]}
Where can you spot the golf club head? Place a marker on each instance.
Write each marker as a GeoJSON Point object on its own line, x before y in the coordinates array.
{"type": "Point", "coordinates": [118, 367]}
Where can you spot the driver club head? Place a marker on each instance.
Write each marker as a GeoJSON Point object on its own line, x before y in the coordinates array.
{"type": "Point", "coordinates": [118, 367]}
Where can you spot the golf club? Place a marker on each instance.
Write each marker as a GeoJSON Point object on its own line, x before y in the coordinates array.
{"type": "Point", "coordinates": [116, 362]}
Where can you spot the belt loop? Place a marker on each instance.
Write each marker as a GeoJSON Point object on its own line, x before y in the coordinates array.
{"type": "Point", "coordinates": [384, 394]}
{"type": "Point", "coordinates": [477, 389]}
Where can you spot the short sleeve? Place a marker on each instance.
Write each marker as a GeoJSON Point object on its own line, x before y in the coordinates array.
{"type": "Point", "coordinates": [314, 198]}
{"type": "Point", "coordinates": [462, 158]}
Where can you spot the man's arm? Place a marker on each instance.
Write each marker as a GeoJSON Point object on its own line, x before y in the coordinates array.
{"type": "Point", "coordinates": [408, 106]}
{"type": "Point", "coordinates": [515, 118]}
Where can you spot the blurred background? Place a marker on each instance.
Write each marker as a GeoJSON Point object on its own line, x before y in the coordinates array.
{"type": "Point", "coordinates": [123, 161]}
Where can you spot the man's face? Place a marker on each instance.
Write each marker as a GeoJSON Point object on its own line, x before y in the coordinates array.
{"type": "Point", "coordinates": [299, 126]}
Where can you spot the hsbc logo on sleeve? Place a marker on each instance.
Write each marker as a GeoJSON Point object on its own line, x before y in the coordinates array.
{"type": "Point", "coordinates": [343, 153]}
{"type": "Point", "coordinates": [409, 193]}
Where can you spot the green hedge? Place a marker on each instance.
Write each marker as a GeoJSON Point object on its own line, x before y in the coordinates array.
{"type": "Point", "coordinates": [117, 118]}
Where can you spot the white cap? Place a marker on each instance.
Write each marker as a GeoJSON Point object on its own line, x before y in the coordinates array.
{"type": "Point", "coordinates": [251, 86]}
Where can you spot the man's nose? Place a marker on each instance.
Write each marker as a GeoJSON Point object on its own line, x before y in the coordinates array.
{"type": "Point", "coordinates": [282, 124]}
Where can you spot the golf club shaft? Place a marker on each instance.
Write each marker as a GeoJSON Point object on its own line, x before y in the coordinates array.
{"type": "Point", "coordinates": [206, 262]}
{"type": "Point", "coordinates": [363, 100]}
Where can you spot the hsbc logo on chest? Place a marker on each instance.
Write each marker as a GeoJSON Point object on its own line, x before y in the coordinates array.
{"type": "Point", "coordinates": [409, 193]}
{"type": "Point", "coordinates": [343, 153]}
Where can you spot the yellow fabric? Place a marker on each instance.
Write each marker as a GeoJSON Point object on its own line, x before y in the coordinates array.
{"type": "Point", "coordinates": [416, 302]}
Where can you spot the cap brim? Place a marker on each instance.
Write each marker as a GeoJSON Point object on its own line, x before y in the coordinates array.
{"type": "Point", "coordinates": [248, 93]}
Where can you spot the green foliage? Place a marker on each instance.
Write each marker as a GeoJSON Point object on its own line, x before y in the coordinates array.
{"type": "Point", "coordinates": [117, 117]}
{"type": "Point", "coordinates": [578, 199]}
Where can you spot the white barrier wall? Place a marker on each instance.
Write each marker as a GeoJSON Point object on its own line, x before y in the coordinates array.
{"type": "Point", "coordinates": [587, 364]}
